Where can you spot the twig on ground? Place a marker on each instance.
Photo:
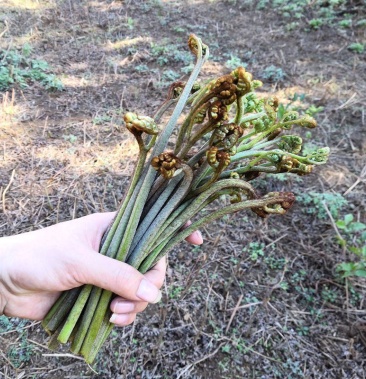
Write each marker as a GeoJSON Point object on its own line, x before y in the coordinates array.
{"type": "Point", "coordinates": [65, 355]}
{"type": "Point", "coordinates": [191, 365]}
{"type": "Point", "coordinates": [360, 179]}
{"type": "Point", "coordinates": [6, 189]}
{"type": "Point", "coordinates": [234, 313]}
{"type": "Point", "coordinates": [333, 224]}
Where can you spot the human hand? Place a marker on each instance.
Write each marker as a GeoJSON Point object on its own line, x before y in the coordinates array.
{"type": "Point", "coordinates": [37, 266]}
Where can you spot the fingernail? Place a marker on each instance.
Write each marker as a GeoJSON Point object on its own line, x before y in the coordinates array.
{"type": "Point", "coordinates": [198, 235]}
{"type": "Point", "coordinates": [123, 307]}
{"type": "Point", "coordinates": [119, 319]}
{"type": "Point", "coordinates": [113, 318]}
{"type": "Point", "coordinates": [148, 292]}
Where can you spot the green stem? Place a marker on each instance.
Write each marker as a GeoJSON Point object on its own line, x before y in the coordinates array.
{"type": "Point", "coordinates": [103, 334]}
{"type": "Point", "coordinates": [53, 311]}
{"type": "Point", "coordinates": [96, 323]}
{"type": "Point", "coordinates": [75, 314]}
{"type": "Point", "coordinates": [164, 107]}
{"type": "Point", "coordinates": [155, 209]}
{"type": "Point", "coordinates": [176, 221]}
{"type": "Point", "coordinates": [143, 247]}
{"type": "Point", "coordinates": [258, 138]}
{"type": "Point", "coordinates": [115, 232]}
{"type": "Point", "coordinates": [252, 117]}
{"type": "Point", "coordinates": [266, 167]}
{"type": "Point", "coordinates": [86, 320]}
{"type": "Point", "coordinates": [169, 220]}
{"type": "Point", "coordinates": [166, 233]}
{"type": "Point", "coordinates": [60, 310]}
{"type": "Point", "coordinates": [239, 109]}
{"type": "Point", "coordinates": [158, 149]}
{"type": "Point", "coordinates": [166, 246]}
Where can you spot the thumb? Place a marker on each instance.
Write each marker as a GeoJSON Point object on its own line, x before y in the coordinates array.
{"type": "Point", "coordinates": [117, 277]}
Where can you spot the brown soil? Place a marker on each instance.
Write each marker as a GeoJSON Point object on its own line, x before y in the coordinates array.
{"type": "Point", "coordinates": [224, 314]}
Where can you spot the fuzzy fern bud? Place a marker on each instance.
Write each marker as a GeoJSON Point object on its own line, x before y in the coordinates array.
{"type": "Point", "coordinates": [291, 144]}
{"type": "Point", "coordinates": [320, 156]}
{"type": "Point", "coordinates": [140, 124]}
{"type": "Point", "coordinates": [166, 164]}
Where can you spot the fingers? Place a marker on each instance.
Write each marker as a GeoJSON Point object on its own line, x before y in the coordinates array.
{"type": "Point", "coordinates": [118, 277]}
{"type": "Point", "coordinates": [123, 319]}
{"type": "Point", "coordinates": [156, 274]}
{"type": "Point", "coordinates": [196, 237]}
{"type": "Point", "coordinates": [124, 309]}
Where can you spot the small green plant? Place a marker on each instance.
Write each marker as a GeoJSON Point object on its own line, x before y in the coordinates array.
{"type": "Point", "coordinates": [303, 330]}
{"type": "Point", "coordinates": [353, 240]}
{"type": "Point", "coordinates": [273, 74]}
{"type": "Point", "coordinates": [20, 354]}
{"type": "Point", "coordinates": [316, 23]}
{"type": "Point", "coordinates": [170, 76]}
{"type": "Point", "coordinates": [313, 110]}
{"type": "Point", "coordinates": [255, 250]}
{"type": "Point", "coordinates": [314, 203]}
{"type": "Point", "coordinates": [234, 62]}
{"type": "Point", "coordinates": [130, 23]}
{"type": "Point", "coordinates": [180, 29]}
{"type": "Point", "coordinates": [361, 23]}
{"type": "Point", "coordinates": [101, 119]}
{"type": "Point", "coordinates": [142, 68]}
{"type": "Point", "coordinates": [356, 47]}
{"type": "Point", "coordinates": [292, 26]}
{"type": "Point", "coordinates": [14, 324]}
{"type": "Point", "coordinates": [329, 295]}
{"type": "Point", "coordinates": [322, 12]}
{"type": "Point", "coordinates": [167, 77]}
{"type": "Point", "coordinates": [5, 324]}
{"type": "Point", "coordinates": [274, 262]}
{"type": "Point", "coordinates": [345, 23]}
{"type": "Point", "coordinates": [18, 69]}
{"type": "Point", "coordinates": [168, 53]}
{"type": "Point", "coordinates": [175, 292]}
{"type": "Point", "coordinates": [70, 137]}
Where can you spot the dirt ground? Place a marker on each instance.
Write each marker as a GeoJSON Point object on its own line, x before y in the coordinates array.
{"type": "Point", "coordinates": [260, 299]}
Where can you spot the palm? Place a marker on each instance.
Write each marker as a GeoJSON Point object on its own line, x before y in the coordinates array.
{"type": "Point", "coordinates": [46, 271]}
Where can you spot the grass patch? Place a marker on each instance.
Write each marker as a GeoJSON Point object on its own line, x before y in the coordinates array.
{"type": "Point", "coordinates": [18, 68]}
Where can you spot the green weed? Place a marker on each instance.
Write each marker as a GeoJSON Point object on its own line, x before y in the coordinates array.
{"type": "Point", "coordinates": [292, 26]}
{"type": "Point", "coordinates": [356, 47]}
{"type": "Point", "coordinates": [169, 53]}
{"type": "Point", "coordinates": [175, 292]}
{"type": "Point", "coordinates": [255, 250]}
{"type": "Point", "coordinates": [361, 23]}
{"type": "Point", "coordinates": [314, 110]}
{"type": "Point", "coordinates": [170, 76]}
{"type": "Point", "coordinates": [329, 295]}
{"type": "Point", "coordinates": [19, 69]}
{"type": "Point", "coordinates": [7, 324]}
{"type": "Point", "coordinates": [20, 353]}
{"type": "Point", "coordinates": [234, 62]}
{"type": "Point", "coordinates": [313, 204]}
{"type": "Point", "coordinates": [316, 23]}
{"type": "Point", "coordinates": [99, 120]}
{"type": "Point", "coordinates": [354, 240]}
{"type": "Point", "coordinates": [345, 23]}
{"type": "Point", "coordinates": [70, 137]}
{"type": "Point", "coordinates": [130, 23]}
{"type": "Point", "coordinates": [273, 74]}
{"type": "Point", "coordinates": [142, 68]}
{"type": "Point", "coordinates": [319, 12]}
